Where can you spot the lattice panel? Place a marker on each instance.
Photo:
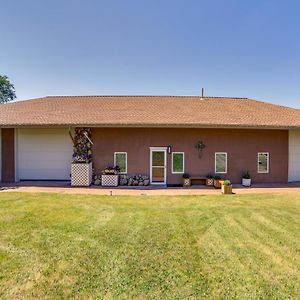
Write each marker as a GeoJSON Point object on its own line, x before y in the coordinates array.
{"type": "Point", "coordinates": [81, 174]}
{"type": "Point", "coordinates": [109, 180]}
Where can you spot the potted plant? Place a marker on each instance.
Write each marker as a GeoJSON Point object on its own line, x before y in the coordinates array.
{"type": "Point", "coordinates": [246, 179]}
{"type": "Point", "coordinates": [217, 181]}
{"type": "Point", "coordinates": [227, 187]}
{"type": "Point", "coordinates": [111, 170]}
{"type": "Point", "coordinates": [209, 180]}
{"type": "Point", "coordinates": [110, 176]}
{"type": "Point", "coordinates": [186, 180]}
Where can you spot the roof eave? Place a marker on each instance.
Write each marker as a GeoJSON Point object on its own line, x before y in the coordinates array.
{"type": "Point", "coordinates": [145, 125]}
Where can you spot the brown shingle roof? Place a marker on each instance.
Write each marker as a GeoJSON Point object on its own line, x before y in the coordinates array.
{"type": "Point", "coordinates": [145, 111]}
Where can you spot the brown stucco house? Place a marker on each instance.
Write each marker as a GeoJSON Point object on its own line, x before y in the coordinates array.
{"type": "Point", "coordinates": [234, 134]}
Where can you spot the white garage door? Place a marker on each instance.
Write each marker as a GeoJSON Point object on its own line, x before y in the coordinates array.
{"type": "Point", "coordinates": [44, 154]}
{"type": "Point", "coordinates": [0, 155]}
{"type": "Point", "coordinates": [294, 155]}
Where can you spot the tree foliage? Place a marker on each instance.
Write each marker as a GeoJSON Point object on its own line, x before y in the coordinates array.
{"type": "Point", "coordinates": [7, 90]}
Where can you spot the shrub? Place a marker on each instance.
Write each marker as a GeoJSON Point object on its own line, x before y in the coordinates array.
{"type": "Point", "coordinates": [227, 182]}
{"type": "Point", "coordinates": [246, 175]}
{"type": "Point", "coordinates": [209, 176]}
{"type": "Point", "coordinates": [217, 177]}
{"type": "Point", "coordinates": [186, 175]}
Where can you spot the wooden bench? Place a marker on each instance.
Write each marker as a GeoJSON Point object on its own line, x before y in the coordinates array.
{"type": "Point", "coordinates": [198, 179]}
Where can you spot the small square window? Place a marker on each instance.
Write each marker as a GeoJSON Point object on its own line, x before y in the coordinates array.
{"type": "Point", "coordinates": [220, 162]}
{"type": "Point", "coordinates": [263, 162]}
{"type": "Point", "coordinates": [177, 162]}
{"type": "Point", "coordinates": [120, 160]}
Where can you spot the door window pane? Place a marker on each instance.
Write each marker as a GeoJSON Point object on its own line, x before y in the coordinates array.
{"type": "Point", "coordinates": [158, 158]}
{"type": "Point", "coordinates": [158, 174]}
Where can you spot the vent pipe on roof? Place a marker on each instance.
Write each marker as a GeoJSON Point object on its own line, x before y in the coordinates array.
{"type": "Point", "coordinates": [202, 93]}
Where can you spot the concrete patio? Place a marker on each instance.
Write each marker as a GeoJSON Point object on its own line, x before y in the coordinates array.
{"type": "Point", "coordinates": [65, 188]}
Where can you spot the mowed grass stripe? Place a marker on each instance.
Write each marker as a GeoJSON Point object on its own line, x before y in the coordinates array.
{"type": "Point", "coordinates": [266, 230]}
{"type": "Point", "coordinates": [55, 246]}
{"type": "Point", "coordinates": [274, 267]}
{"type": "Point", "coordinates": [235, 254]}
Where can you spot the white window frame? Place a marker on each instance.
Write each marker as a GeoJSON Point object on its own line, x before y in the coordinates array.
{"type": "Point", "coordinates": [115, 158]}
{"type": "Point", "coordinates": [173, 172]}
{"type": "Point", "coordinates": [216, 153]}
{"type": "Point", "coordinates": [268, 163]}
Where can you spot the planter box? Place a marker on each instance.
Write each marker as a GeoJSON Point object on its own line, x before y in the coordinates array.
{"type": "Point", "coordinates": [226, 189]}
{"type": "Point", "coordinates": [209, 181]}
{"type": "Point", "coordinates": [186, 182]}
{"type": "Point", "coordinates": [246, 182]}
{"type": "Point", "coordinates": [109, 180]}
{"type": "Point", "coordinates": [218, 183]}
{"type": "Point", "coordinates": [81, 174]}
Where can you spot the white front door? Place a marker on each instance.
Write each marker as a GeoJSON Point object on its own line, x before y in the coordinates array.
{"type": "Point", "coordinates": [158, 165]}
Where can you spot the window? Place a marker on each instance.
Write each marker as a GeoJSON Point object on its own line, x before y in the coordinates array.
{"type": "Point", "coordinates": [263, 162]}
{"type": "Point", "coordinates": [120, 160]}
{"type": "Point", "coordinates": [220, 162]}
{"type": "Point", "coordinates": [177, 162]}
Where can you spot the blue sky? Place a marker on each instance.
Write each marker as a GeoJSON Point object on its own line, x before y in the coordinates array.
{"type": "Point", "coordinates": [158, 47]}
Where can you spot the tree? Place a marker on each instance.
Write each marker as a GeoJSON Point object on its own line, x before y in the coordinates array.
{"type": "Point", "coordinates": [7, 90]}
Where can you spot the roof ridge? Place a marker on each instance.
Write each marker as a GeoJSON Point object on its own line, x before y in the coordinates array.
{"type": "Point", "coordinates": [144, 96]}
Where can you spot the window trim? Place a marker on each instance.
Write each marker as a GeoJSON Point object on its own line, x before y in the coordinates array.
{"type": "Point", "coordinates": [115, 158]}
{"type": "Point", "coordinates": [216, 153]}
{"type": "Point", "coordinates": [268, 163]}
{"type": "Point", "coordinates": [178, 152]}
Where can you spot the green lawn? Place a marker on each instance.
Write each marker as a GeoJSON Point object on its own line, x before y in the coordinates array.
{"type": "Point", "coordinates": [56, 246]}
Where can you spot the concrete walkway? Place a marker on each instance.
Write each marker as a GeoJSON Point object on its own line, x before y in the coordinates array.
{"type": "Point", "coordinates": [65, 188]}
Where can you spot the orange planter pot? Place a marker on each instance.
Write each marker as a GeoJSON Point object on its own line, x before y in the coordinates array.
{"type": "Point", "coordinates": [218, 183]}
